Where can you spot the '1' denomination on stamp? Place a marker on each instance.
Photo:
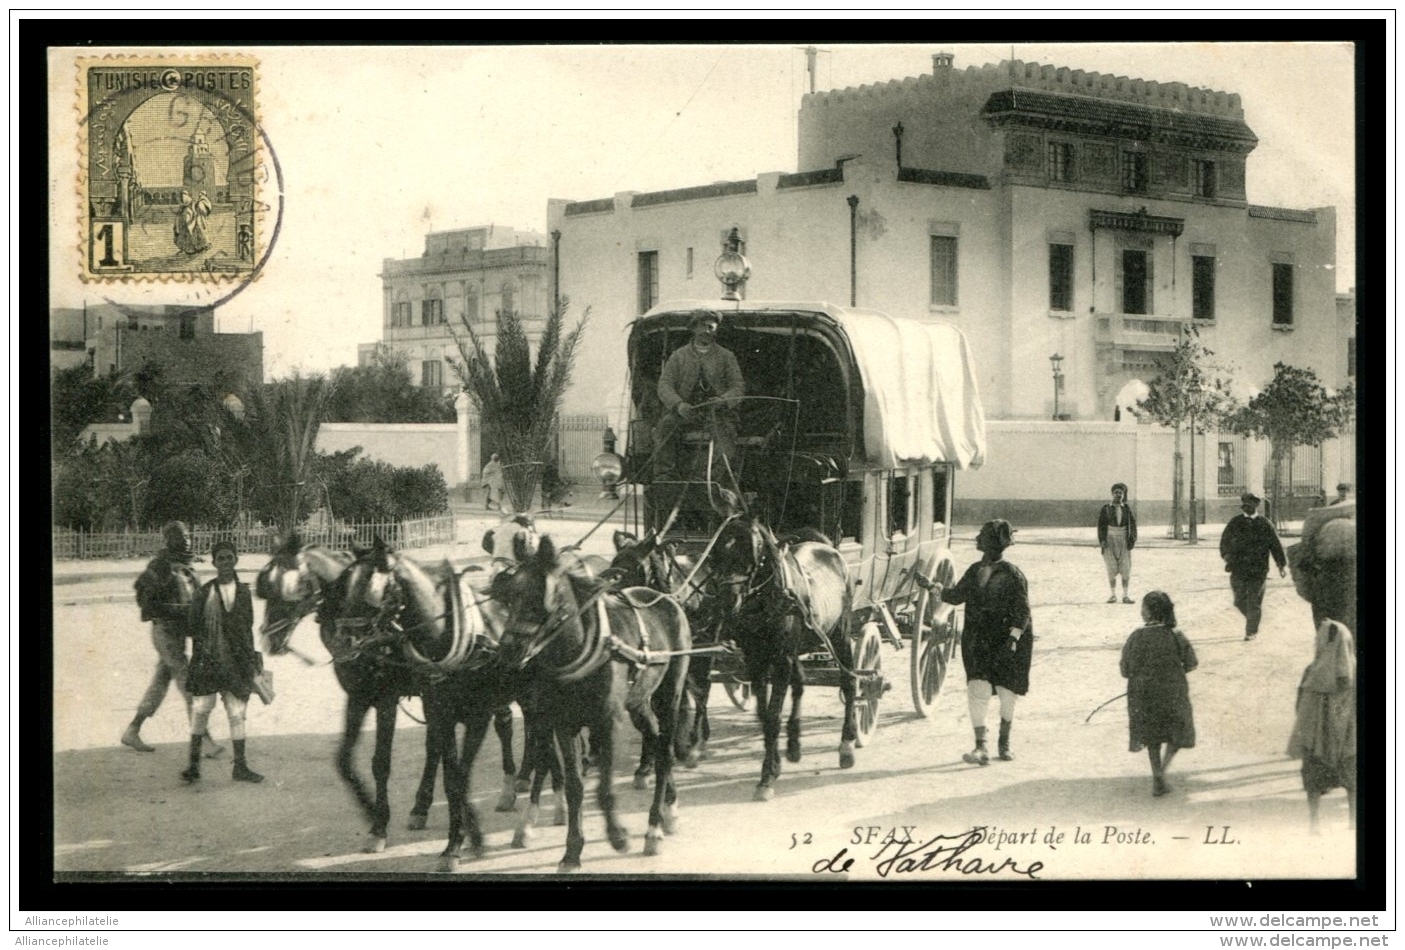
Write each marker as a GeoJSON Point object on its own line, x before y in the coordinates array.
{"type": "Point", "coordinates": [170, 170]}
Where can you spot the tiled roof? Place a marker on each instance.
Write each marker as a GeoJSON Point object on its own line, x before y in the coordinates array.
{"type": "Point", "coordinates": [692, 194]}
{"type": "Point", "coordinates": [1282, 214]}
{"type": "Point", "coordinates": [821, 176]}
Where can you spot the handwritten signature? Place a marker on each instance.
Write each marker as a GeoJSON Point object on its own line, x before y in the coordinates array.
{"type": "Point", "coordinates": [954, 853]}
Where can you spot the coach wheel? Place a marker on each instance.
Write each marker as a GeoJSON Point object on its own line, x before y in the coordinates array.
{"type": "Point", "coordinates": [933, 641]}
{"type": "Point", "coordinates": [739, 692]}
{"type": "Point", "coordinates": [868, 657]}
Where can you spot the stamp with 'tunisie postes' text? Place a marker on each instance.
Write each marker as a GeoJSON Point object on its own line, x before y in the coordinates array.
{"type": "Point", "coordinates": [170, 170]}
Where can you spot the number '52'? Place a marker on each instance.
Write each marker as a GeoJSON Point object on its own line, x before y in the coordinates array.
{"type": "Point", "coordinates": [804, 838]}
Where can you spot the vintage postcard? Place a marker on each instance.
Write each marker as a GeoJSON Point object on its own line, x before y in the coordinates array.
{"type": "Point", "coordinates": [916, 306]}
{"type": "Point", "coordinates": [169, 174]}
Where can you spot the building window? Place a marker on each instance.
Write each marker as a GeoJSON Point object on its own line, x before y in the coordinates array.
{"type": "Point", "coordinates": [432, 312]}
{"type": "Point", "coordinates": [1350, 356]}
{"type": "Point", "coordinates": [432, 374]}
{"type": "Point", "coordinates": [187, 331]}
{"type": "Point", "coordinates": [1061, 161]}
{"type": "Point", "coordinates": [1204, 179]}
{"type": "Point", "coordinates": [943, 270]}
{"type": "Point", "coordinates": [1226, 478]}
{"type": "Point", "coordinates": [648, 280]}
{"type": "Point", "coordinates": [1136, 281]}
{"type": "Point", "coordinates": [1133, 171]}
{"type": "Point", "coordinates": [507, 298]}
{"type": "Point", "coordinates": [400, 313]}
{"type": "Point", "coordinates": [1283, 295]}
{"type": "Point", "coordinates": [1060, 276]}
{"type": "Point", "coordinates": [690, 263]}
{"type": "Point", "coordinates": [1202, 288]}
{"type": "Point", "coordinates": [470, 304]}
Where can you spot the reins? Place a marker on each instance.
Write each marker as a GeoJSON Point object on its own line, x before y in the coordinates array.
{"type": "Point", "coordinates": [801, 611]}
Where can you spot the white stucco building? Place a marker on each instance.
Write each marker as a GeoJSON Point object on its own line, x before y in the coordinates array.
{"type": "Point", "coordinates": [1043, 211]}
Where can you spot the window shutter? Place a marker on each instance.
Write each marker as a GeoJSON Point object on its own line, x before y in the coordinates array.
{"type": "Point", "coordinates": [1150, 281]}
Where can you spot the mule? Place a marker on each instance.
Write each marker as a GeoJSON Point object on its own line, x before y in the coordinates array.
{"type": "Point", "coordinates": [597, 653]}
{"type": "Point", "coordinates": [300, 579]}
{"type": "Point", "coordinates": [797, 596]}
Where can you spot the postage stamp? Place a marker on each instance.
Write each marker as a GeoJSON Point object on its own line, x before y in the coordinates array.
{"type": "Point", "coordinates": [169, 168]}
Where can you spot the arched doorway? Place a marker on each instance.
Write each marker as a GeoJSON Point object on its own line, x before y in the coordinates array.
{"type": "Point", "coordinates": [1124, 404]}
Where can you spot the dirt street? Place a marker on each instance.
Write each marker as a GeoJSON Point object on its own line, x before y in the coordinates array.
{"type": "Point", "coordinates": [1074, 804]}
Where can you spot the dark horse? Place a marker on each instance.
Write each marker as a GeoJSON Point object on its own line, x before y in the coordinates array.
{"type": "Point", "coordinates": [707, 600]}
{"type": "Point", "coordinates": [372, 669]}
{"type": "Point", "coordinates": [797, 597]}
{"type": "Point", "coordinates": [597, 653]}
{"type": "Point", "coordinates": [452, 630]}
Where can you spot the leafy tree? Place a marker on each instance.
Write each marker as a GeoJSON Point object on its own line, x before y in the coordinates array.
{"type": "Point", "coordinates": [77, 476]}
{"type": "Point", "coordinates": [1187, 392]}
{"type": "Point", "coordinates": [518, 402]}
{"type": "Point", "coordinates": [204, 464]}
{"type": "Point", "coordinates": [368, 490]}
{"type": "Point", "coordinates": [79, 399]}
{"type": "Point", "coordinates": [99, 486]}
{"type": "Point", "coordinates": [384, 390]}
{"type": "Point", "coordinates": [285, 417]}
{"type": "Point", "coordinates": [190, 487]}
{"type": "Point", "coordinates": [1293, 409]}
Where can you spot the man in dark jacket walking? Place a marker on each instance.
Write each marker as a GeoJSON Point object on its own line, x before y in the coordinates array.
{"type": "Point", "coordinates": [1246, 545]}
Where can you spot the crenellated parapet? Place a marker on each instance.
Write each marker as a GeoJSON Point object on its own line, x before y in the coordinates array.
{"type": "Point", "coordinates": [1045, 78]}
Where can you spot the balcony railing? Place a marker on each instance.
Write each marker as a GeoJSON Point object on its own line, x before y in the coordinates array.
{"type": "Point", "coordinates": [445, 331]}
{"type": "Point", "coordinates": [1139, 331]}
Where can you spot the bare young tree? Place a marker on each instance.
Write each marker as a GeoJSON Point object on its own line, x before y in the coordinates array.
{"type": "Point", "coordinates": [1187, 393]}
{"type": "Point", "coordinates": [516, 399]}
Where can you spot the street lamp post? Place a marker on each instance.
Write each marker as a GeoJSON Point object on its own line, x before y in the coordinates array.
{"type": "Point", "coordinates": [608, 466]}
{"type": "Point", "coordinates": [1057, 362]}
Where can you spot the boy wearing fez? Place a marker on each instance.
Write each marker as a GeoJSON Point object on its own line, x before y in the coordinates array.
{"type": "Point", "coordinates": [223, 659]}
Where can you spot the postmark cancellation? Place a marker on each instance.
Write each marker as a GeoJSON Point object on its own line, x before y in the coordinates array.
{"type": "Point", "coordinates": [170, 169]}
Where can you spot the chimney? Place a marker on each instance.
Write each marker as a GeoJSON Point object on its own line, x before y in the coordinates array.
{"type": "Point", "coordinates": [941, 62]}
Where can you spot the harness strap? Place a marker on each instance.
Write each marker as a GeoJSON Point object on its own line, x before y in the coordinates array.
{"type": "Point", "coordinates": [596, 645]}
{"type": "Point", "coordinates": [708, 550]}
{"type": "Point", "coordinates": [803, 612]}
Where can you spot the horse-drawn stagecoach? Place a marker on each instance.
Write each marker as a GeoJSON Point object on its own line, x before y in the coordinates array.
{"type": "Point", "coordinates": [854, 424]}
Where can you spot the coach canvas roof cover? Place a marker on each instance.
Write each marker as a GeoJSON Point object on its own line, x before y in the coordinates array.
{"type": "Point", "coordinates": [921, 401]}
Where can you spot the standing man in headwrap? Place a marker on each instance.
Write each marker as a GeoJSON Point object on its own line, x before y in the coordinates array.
{"type": "Point", "coordinates": [997, 641]}
{"type": "Point", "coordinates": [1117, 535]}
{"type": "Point", "coordinates": [164, 594]}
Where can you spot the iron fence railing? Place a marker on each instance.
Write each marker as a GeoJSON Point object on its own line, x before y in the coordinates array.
{"type": "Point", "coordinates": [73, 545]}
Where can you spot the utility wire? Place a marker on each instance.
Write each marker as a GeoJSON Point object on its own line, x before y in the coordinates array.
{"type": "Point", "coordinates": [676, 116]}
